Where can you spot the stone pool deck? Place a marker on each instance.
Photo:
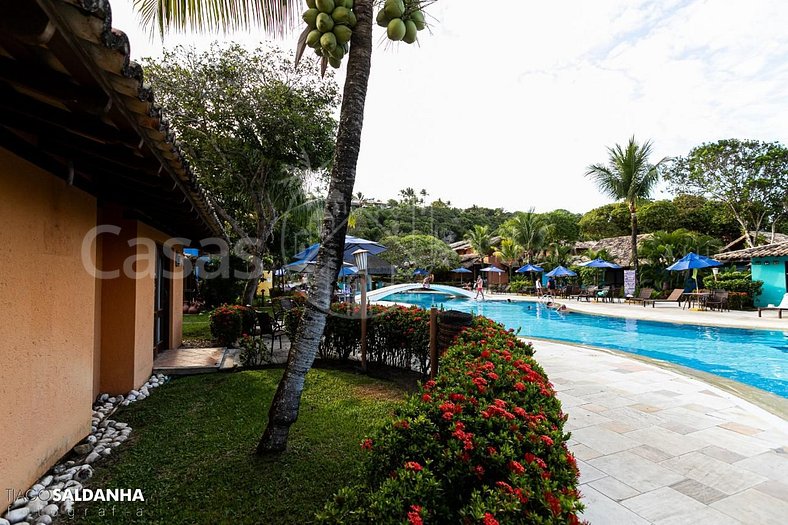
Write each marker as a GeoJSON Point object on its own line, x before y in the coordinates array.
{"type": "Point", "coordinates": [656, 446]}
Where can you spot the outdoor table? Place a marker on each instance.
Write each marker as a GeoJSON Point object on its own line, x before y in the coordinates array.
{"type": "Point", "coordinates": [691, 298]}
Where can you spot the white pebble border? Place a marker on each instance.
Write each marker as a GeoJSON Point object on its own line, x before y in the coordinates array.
{"type": "Point", "coordinates": [36, 505]}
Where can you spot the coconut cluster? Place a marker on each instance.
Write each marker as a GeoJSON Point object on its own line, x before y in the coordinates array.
{"type": "Point", "coordinates": [331, 23]}
{"type": "Point", "coordinates": [402, 20]}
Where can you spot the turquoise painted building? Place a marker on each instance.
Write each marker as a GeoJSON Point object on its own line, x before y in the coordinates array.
{"type": "Point", "coordinates": [769, 264]}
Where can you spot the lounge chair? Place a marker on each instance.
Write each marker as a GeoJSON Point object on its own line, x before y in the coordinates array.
{"type": "Point", "coordinates": [780, 307]}
{"type": "Point", "coordinates": [674, 297]}
{"type": "Point", "coordinates": [645, 293]}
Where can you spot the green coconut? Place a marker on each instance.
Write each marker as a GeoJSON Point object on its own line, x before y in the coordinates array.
{"type": "Point", "coordinates": [349, 4]}
{"type": "Point", "coordinates": [351, 19]}
{"type": "Point", "coordinates": [382, 19]}
{"type": "Point", "coordinates": [396, 29]}
{"type": "Point", "coordinates": [410, 32]}
{"type": "Point", "coordinates": [311, 4]}
{"type": "Point", "coordinates": [328, 42]}
{"type": "Point", "coordinates": [394, 8]}
{"type": "Point", "coordinates": [340, 15]}
{"type": "Point", "coordinates": [343, 34]}
{"type": "Point", "coordinates": [313, 38]}
{"type": "Point", "coordinates": [335, 63]}
{"type": "Point", "coordinates": [337, 53]}
{"type": "Point", "coordinates": [324, 23]}
{"type": "Point", "coordinates": [418, 19]}
{"type": "Point", "coordinates": [310, 17]}
{"type": "Point", "coordinates": [325, 6]}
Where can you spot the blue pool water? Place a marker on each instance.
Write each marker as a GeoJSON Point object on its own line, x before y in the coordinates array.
{"type": "Point", "coordinates": [755, 357]}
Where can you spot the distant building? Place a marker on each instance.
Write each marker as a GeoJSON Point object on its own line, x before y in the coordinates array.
{"type": "Point", "coordinates": [769, 263]}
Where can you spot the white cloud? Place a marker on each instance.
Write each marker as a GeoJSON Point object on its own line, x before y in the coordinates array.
{"type": "Point", "coordinates": [505, 103]}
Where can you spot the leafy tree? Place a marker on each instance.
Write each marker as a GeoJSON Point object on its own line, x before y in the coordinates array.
{"type": "Point", "coordinates": [420, 251]}
{"type": "Point", "coordinates": [480, 239]}
{"type": "Point", "coordinates": [529, 230]}
{"type": "Point", "coordinates": [696, 213]}
{"type": "Point", "coordinates": [252, 125]}
{"type": "Point", "coordinates": [664, 248]}
{"type": "Point", "coordinates": [610, 220]}
{"type": "Point", "coordinates": [657, 215]}
{"type": "Point", "coordinates": [628, 176]}
{"type": "Point", "coordinates": [557, 254]}
{"type": "Point", "coordinates": [750, 177]}
{"type": "Point", "coordinates": [601, 253]}
{"type": "Point", "coordinates": [276, 15]}
{"type": "Point", "coordinates": [509, 252]}
{"type": "Point", "coordinates": [564, 225]}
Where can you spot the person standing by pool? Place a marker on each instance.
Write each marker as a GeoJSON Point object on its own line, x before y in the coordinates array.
{"type": "Point", "coordinates": [479, 288]}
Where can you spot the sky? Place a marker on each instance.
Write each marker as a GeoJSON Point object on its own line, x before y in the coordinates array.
{"type": "Point", "coordinates": [505, 107]}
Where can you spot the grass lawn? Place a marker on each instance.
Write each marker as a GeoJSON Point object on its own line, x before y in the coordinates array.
{"type": "Point", "coordinates": [197, 326]}
{"type": "Point", "coordinates": [192, 449]}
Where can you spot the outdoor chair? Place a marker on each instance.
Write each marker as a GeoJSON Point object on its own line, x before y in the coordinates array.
{"type": "Point", "coordinates": [269, 327]}
{"type": "Point", "coordinates": [645, 294]}
{"type": "Point", "coordinates": [587, 294]}
{"type": "Point", "coordinates": [603, 295]}
{"type": "Point", "coordinates": [674, 297]}
{"type": "Point", "coordinates": [718, 300]}
{"type": "Point", "coordinates": [780, 307]}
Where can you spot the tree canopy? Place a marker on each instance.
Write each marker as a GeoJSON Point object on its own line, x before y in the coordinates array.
{"type": "Point", "coordinates": [749, 176]}
{"type": "Point", "coordinates": [420, 251]}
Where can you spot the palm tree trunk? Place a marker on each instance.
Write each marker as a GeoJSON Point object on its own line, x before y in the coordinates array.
{"type": "Point", "coordinates": [284, 408]}
{"type": "Point", "coordinates": [634, 222]}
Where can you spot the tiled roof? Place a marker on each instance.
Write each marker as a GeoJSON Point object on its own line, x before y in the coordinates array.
{"type": "Point", "coordinates": [74, 103]}
{"type": "Point", "coordinates": [777, 249]}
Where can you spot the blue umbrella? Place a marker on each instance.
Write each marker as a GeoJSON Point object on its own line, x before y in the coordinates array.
{"type": "Point", "coordinates": [693, 261]}
{"type": "Point", "coordinates": [461, 271]}
{"type": "Point", "coordinates": [600, 263]}
{"type": "Point", "coordinates": [351, 245]}
{"type": "Point", "coordinates": [560, 271]}
{"type": "Point", "coordinates": [347, 271]}
{"type": "Point", "coordinates": [419, 271]}
{"type": "Point", "coordinates": [529, 268]}
{"type": "Point", "coordinates": [493, 269]}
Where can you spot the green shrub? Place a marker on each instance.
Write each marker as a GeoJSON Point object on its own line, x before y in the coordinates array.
{"type": "Point", "coordinates": [228, 322]}
{"type": "Point", "coordinates": [396, 336]}
{"type": "Point", "coordinates": [742, 288]}
{"type": "Point", "coordinates": [254, 351]}
{"type": "Point", "coordinates": [483, 443]}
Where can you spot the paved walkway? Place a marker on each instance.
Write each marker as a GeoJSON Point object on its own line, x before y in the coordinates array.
{"type": "Point", "coordinates": [655, 446]}
{"type": "Point", "coordinates": [670, 313]}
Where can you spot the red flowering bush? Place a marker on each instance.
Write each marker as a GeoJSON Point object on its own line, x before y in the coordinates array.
{"type": "Point", "coordinates": [228, 322]}
{"type": "Point", "coordinates": [483, 443]}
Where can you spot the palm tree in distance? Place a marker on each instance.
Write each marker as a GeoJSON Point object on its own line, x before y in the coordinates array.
{"type": "Point", "coordinates": [509, 252]}
{"type": "Point", "coordinates": [480, 239]}
{"type": "Point", "coordinates": [277, 16]}
{"type": "Point", "coordinates": [529, 230]}
{"type": "Point", "coordinates": [628, 176]}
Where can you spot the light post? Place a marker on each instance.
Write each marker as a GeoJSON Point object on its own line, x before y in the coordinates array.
{"type": "Point", "coordinates": [361, 263]}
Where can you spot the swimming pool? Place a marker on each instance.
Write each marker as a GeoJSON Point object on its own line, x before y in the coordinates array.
{"type": "Point", "coordinates": [755, 357]}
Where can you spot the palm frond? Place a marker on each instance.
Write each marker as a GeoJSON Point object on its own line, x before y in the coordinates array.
{"type": "Point", "coordinates": [274, 16]}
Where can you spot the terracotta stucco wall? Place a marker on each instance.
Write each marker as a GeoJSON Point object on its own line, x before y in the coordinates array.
{"type": "Point", "coordinates": [127, 322]}
{"type": "Point", "coordinates": [46, 320]}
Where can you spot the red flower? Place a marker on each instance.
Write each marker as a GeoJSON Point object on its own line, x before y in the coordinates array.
{"type": "Point", "coordinates": [414, 466]}
{"type": "Point", "coordinates": [519, 386]}
{"type": "Point", "coordinates": [366, 444]}
{"type": "Point", "coordinates": [426, 398]}
{"type": "Point", "coordinates": [516, 467]}
{"type": "Point", "coordinates": [489, 519]}
{"type": "Point", "coordinates": [547, 440]}
{"type": "Point", "coordinates": [414, 516]}
{"type": "Point", "coordinates": [555, 504]}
